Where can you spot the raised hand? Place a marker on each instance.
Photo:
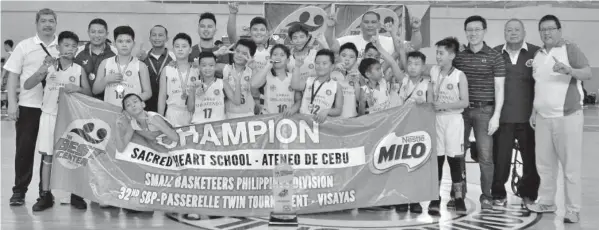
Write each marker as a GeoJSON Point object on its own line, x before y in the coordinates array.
{"type": "Point", "coordinates": [332, 19]}
{"type": "Point", "coordinates": [416, 23]}
{"type": "Point", "coordinates": [233, 7]}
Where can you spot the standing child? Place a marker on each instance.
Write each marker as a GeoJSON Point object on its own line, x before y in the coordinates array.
{"type": "Point", "coordinates": [123, 74]}
{"type": "Point", "coordinates": [55, 75]}
{"type": "Point", "coordinates": [240, 72]}
{"type": "Point", "coordinates": [279, 97]}
{"type": "Point", "coordinates": [207, 100]}
{"type": "Point", "coordinates": [175, 83]}
{"type": "Point", "coordinates": [348, 76]}
{"type": "Point", "coordinates": [449, 99]}
{"type": "Point", "coordinates": [322, 97]}
{"type": "Point", "coordinates": [416, 88]}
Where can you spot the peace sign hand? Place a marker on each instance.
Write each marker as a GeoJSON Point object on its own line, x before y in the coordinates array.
{"type": "Point", "coordinates": [560, 67]}
{"type": "Point", "coordinates": [223, 50]}
{"type": "Point", "coordinates": [332, 19]}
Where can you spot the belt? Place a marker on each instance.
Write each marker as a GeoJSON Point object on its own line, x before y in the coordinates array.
{"type": "Point", "coordinates": [478, 104]}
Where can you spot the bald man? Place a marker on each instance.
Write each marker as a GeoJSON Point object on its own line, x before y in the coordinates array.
{"type": "Point", "coordinates": [513, 123]}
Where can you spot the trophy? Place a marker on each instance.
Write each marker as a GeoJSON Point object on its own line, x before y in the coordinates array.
{"type": "Point", "coordinates": [284, 215]}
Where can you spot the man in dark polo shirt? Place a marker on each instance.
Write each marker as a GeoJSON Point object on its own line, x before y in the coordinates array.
{"type": "Point", "coordinates": [156, 59]}
{"type": "Point", "coordinates": [93, 53]}
{"type": "Point", "coordinates": [485, 71]}
{"type": "Point", "coordinates": [514, 125]}
{"type": "Point", "coordinates": [207, 30]}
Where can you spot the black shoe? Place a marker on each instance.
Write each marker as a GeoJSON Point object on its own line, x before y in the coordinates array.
{"type": "Point", "coordinates": [45, 201]}
{"type": "Point", "coordinates": [131, 211]}
{"type": "Point", "coordinates": [17, 199]}
{"type": "Point", "coordinates": [78, 202]}
{"type": "Point", "coordinates": [460, 206]}
{"type": "Point", "coordinates": [433, 207]}
{"type": "Point", "coordinates": [415, 208]}
{"type": "Point", "coordinates": [402, 207]}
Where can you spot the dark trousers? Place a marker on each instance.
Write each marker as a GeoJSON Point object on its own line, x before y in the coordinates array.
{"type": "Point", "coordinates": [27, 127]}
{"type": "Point", "coordinates": [455, 168]}
{"type": "Point", "coordinates": [502, 156]}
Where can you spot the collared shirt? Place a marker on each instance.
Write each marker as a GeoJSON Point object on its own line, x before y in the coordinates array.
{"type": "Point", "coordinates": [91, 61]}
{"type": "Point", "coordinates": [25, 60]}
{"type": "Point", "coordinates": [481, 69]}
{"type": "Point", "coordinates": [151, 60]}
{"type": "Point", "coordinates": [513, 55]}
{"type": "Point", "coordinates": [519, 84]}
{"type": "Point", "coordinates": [558, 95]}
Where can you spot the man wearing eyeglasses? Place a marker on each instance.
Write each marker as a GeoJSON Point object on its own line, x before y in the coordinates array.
{"type": "Point", "coordinates": [558, 69]}
{"type": "Point", "coordinates": [485, 71]}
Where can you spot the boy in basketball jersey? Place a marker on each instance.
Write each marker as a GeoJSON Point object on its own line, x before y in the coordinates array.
{"type": "Point", "coordinates": [415, 88]}
{"type": "Point", "coordinates": [240, 72]}
{"type": "Point", "coordinates": [322, 97]}
{"type": "Point", "coordinates": [175, 82]}
{"type": "Point", "coordinates": [348, 76]}
{"type": "Point", "coordinates": [123, 73]}
{"type": "Point", "coordinates": [207, 98]}
{"type": "Point", "coordinates": [55, 75]}
{"type": "Point", "coordinates": [450, 97]}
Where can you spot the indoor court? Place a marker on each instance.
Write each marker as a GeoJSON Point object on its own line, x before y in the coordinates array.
{"type": "Point", "coordinates": [62, 217]}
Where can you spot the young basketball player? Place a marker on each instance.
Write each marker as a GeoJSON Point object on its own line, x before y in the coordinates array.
{"type": "Point", "coordinates": [207, 100]}
{"type": "Point", "coordinates": [450, 97]}
{"type": "Point", "coordinates": [322, 97]}
{"type": "Point", "coordinates": [374, 95]}
{"type": "Point", "coordinates": [145, 123]}
{"type": "Point", "coordinates": [415, 88]}
{"type": "Point", "coordinates": [302, 44]}
{"type": "Point", "coordinates": [175, 83]}
{"type": "Point", "coordinates": [279, 97]}
{"type": "Point", "coordinates": [348, 76]}
{"type": "Point", "coordinates": [240, 72]}
{"type": "Point", "coordinates": [54, 76]}
{"type": "Point", "coordinates": [123, 73]}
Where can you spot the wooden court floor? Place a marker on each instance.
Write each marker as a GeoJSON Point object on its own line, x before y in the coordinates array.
{"type": "Point", "coordinates": [63, 217]}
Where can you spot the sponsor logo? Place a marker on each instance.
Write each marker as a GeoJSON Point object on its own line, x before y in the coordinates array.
{"type": "Point", "coordinates": [128, 73]}
{"type": "Point", "coordinates": [411, 150]}
{"type": "Point", "coordinates": [329, 92]}
{"type": "Point", "coordinates": [82, 140]}
{"type": "Point", "coordinates": [419, 93]}
{"type": "Point", "coordinates": [72, 79]}
{"type": "Point", "coordinates": [311, 66]}
{"type": "Point", "coordinates": [529, 63]}
{"type": "Point", "coordinates": [216, 92]}
{"type": "Point", "coordinates": [449, 86]}
{"type": "Point", "coordinates": [484, 60]}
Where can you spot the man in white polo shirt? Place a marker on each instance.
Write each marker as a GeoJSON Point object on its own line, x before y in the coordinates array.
{"type": "Point", "coordinates": [559, 68]}
{"type": "Point", "coordinates": [24, 61]}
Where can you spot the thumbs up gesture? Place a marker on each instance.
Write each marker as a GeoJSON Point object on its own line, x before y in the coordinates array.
{"type": "Point", "coordinates": [560, 67]}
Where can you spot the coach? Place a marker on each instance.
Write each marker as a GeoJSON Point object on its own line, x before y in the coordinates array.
{"type": "Point", "coordinates": [24, 61]}
{"type": "Point", "coordinates": [485, 71]}
{"type": "Point", "coordinates": [517, 108]}
{"type": "Point", "coordinates": [558, 69]}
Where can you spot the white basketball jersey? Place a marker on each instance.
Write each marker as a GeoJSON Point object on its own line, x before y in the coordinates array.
{"type": "Point", "coordinates": [410, 92]}
{"type": "Point", "coordinates": [377, 98]}
{"type": "Point", "coordinates": [261, 57]}
{"type": "Point", "coordinates": [210, 106]}
{"type": "Point", "coordinates": [247, 101]}
{"type": "Point", "coordinates": [131, 83]}
{"type": "Point", "coordinates": [151, 127]}
{"type": "Point", "coordinates": [315, 99]}
{"type": "Point", "coordinates": [278, 94]}
{"type": "Point", "coordinates": [175, 83]}
{"type": "Point", "coordinates": [348, 86]}
{"type": "Point", "coordinates": [445, 88]}
{"type": "Point", "coordinates": [307, 69]}
{"type": "Point", "coordinates": [57, 80]}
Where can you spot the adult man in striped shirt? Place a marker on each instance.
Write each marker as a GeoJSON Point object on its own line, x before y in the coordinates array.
{"type": "Point", "coordinates": [485, 71]}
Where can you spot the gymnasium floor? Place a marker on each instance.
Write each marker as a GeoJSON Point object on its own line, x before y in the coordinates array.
{"type": "Point", "coordinates": [511, 217]}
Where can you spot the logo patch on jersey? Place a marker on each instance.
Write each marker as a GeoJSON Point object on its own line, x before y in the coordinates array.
{"type": "Point", "coordinates": [128, 73]}
{"type": "Point", "coordinates": [311, 66]}
{"type": "Point", "coordinates": [273, 88]}
{"type": "Point", "coordinates": [246, 78]}
{"type": "Point", "coordinates": [351, 83]}
{"type": "Point", "coordinates": [329, 92]}
{"type": "Point", "coordinates": [449, 86]}
{"type": "Point", "coordinates": [85, 62]}
{"type": "Point", "coordinates": [419, 93]}
{"type": "Point", "coordinates": [193, 78]}
{"type": "Point", "coordinates": [72, 78]}
{"type": "Point", "coordinates": [529, 63]}
{"type": "Point", "coordinates": [216, 92]}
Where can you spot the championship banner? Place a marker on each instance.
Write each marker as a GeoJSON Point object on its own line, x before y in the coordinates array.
{"type": "Point", "coordinates": [280, 16]}
{"type": "Point", "coordinates": [226, 168]}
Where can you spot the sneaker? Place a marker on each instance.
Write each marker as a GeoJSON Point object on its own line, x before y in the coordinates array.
{"type": "Point", "coordinates": [460, 206]}
{"type": "Point", "coordinates": [499, 201]}
{"type": "Point", "coordinates": [486, 204]}
{"type": "Point", "coordinates": [402, 207]}
{"type": "Point", "coordinates": [17, 199]}
{"type": "Point", "coordinates": [433, 207]}
{"type": "Point", "coordinates": [571, 217]}
{"type": "Point", "coordinates": [415, 208]}
{"type": "Point", "coordinates": [542, 208]}
{"type": "Point", "coordinates": [45, 201]}
{"type": "Point", "coordinates": [78, 202]}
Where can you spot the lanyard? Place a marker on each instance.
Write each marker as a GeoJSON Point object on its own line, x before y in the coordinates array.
{"type": "Point", "coordinates": [183, 80]}
{"type": "Point", "coordinates": [161, 65]}
{"type": "Point", "coordinates": [59, 67]}
{"type": "Point", "coordinates": [314, 93]}
{"type": "Point", "coordinates": [118, 65]}
{"type": "Point", "coordinates": [438, 91]}
{"type": "Point", "coordinates": [414, 89]}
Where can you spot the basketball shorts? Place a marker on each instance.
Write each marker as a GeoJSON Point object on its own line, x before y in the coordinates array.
{"type": "Point", "coordinates": [45, 135]}
{"type": "Point", "coordinates": [450, 135]}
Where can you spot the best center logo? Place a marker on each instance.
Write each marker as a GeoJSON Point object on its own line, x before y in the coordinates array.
{"type": "Point", "coordinates": [82, 140]}
{"type": "Point", "coordinates": [411, 150]}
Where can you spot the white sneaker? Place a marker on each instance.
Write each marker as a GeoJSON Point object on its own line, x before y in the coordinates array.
{"type": "Point", "coordinates": [542, 208]}
{"type": "Point", "coordinates": [571, 217]}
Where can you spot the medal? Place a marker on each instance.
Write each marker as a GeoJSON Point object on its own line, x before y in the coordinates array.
{"type": "Point", "coordinates": [183, 81]}
{"type": "Point", "coordinates": [92, 76]}
{"type": "Point", "coordinates": [120, 88]}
